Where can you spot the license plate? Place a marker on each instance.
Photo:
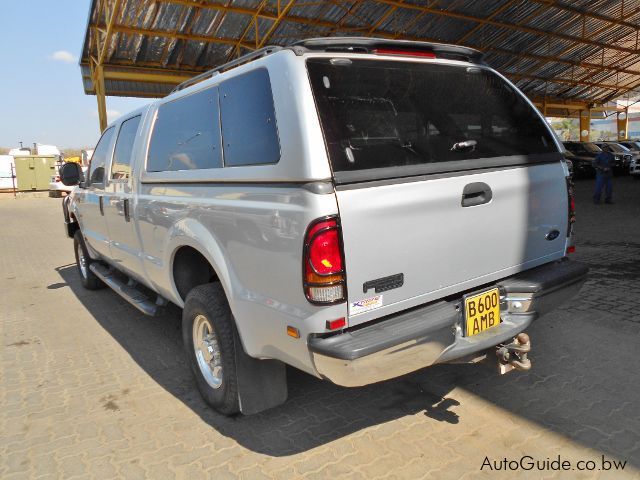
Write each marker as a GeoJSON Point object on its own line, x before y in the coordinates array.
{"type": "Point", "coordinates": [481, 311]}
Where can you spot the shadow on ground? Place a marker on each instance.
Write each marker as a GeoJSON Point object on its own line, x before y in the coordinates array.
{"type": "Point", "coordinates": [316, 412]}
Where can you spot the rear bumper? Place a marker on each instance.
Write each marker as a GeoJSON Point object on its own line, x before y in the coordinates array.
{"type": "Point", "coordinates": [417, 338]}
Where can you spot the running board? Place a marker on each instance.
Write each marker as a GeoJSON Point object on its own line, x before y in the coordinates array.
{"type": "Point", "coordinates": [132, 295]}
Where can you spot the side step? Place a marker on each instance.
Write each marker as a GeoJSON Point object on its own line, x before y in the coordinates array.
{"type": "Point", "coordinates": [132, 295]}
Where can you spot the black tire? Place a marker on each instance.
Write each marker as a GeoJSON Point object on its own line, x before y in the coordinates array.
{"type": "Point", "coordinates": [88, 278]}
{"type": "Point", "coordinates": [210, 301]}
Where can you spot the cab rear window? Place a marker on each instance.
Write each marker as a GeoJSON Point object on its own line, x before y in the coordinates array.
{"type": "Point", "coordinates": [394, 118]}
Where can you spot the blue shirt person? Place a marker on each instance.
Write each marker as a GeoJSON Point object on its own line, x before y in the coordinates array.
{"type": "Point", "coordinates": [603, 163]}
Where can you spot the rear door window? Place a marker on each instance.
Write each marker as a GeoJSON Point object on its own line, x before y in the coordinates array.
{"type": "Point", "coordinates": [394, 118]}
{"type": "Point", "coordinates": [186, 134]}
{"type": "Point", "coordinates": [122, 156]}
{"type": "Point", "coordinates": [100, 158]}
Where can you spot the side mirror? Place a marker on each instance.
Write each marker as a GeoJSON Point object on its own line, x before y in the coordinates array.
{"type": "Point", "coordinates": [71, 174]}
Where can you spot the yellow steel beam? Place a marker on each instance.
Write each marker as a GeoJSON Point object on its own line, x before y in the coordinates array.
{"type": "Point", "coordinates": [383, 17]}
{"type": "Point", "coordinates": [589, 14]}
{"type": "Point", "coordinates": [180, 36]}
{"type": "Point", "coordinates": [168, 45]}
{"type": "Point", "coordinates": [283, 13]}
{"type": "Point", "coordinates": [622, 120]}
{"type": "Point", "coordinates": [585, 125]}
{"type": "Point", "coordinates": [146, 77]}
{"type": "Point", "coordinates": [107, 35]}
{"type": "Point", "coordinates": [577, 106]}
{"type": "Point", "coordinates": [567, 81]}
{"type": "Point", "coordinates": [495, 23]}
{"type": "Point", "coordinates": [100, 96]}
{"type": "Point", "coordinates": [597, 32]}
{"type": "Point", "coordinates": [245, 32]}
{"type": "Point", "coordinates": [493, 14]}
{"type": "Point", "coordinates": [546, 58]}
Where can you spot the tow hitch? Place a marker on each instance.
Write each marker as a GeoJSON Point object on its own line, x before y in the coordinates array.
{"type": "Point", "coordinates": [514, 355]}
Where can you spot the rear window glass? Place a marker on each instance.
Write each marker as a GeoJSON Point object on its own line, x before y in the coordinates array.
{"type": "Point", "coordinates": [393, 115]}
{"type": "Point", "coordinates": [249, 127]}
{"type": "Point", "coordinates": [186, 135]}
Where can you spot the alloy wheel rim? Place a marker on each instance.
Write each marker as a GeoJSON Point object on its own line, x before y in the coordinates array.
{"type": "Point", "coordinates": [207, 350]}
{"type": "Point", "coordinates": [82, 261]}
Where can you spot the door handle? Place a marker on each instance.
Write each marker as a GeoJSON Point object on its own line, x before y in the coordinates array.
{"type": "Point", "coordinates": [125, 207]}
{"type": "Point", "coordinates": [476, 193]}
{"type": "Point", "coordinates": [101, 202]}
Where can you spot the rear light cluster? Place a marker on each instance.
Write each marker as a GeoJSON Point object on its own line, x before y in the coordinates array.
{"type": "Point", "coordinates": [323, 262]}
{"type": "Point", "coordinates": [571, 214]}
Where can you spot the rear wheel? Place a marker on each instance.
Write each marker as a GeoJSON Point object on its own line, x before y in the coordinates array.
{"type": "Point", "coordinates": [89, 280]}
{"type": "Point", "coordinates": [207, 333]}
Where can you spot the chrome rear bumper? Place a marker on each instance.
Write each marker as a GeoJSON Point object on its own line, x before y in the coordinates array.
{"type": "Point", "coordinates": [425, 336]}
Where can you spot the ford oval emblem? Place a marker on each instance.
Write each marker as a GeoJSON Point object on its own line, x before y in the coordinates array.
{"type": "Point", "coordinates": [552, 235]}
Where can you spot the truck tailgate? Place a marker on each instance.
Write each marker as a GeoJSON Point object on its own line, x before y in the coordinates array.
{"type": "Point", "coordinates": [419, 234]}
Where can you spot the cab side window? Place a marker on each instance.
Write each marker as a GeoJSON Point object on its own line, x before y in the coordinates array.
{"type": "Point", "coordinates": [100, 158]}
{"type": "Point", "coordinates": [122, 156]}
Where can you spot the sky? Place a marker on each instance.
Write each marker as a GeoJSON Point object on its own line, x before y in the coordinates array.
{"type": "Point", "coordinates": [41, 94]}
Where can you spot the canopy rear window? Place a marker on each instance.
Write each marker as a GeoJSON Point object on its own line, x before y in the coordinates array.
{"type": "Point", "coordinates": [385, 119]}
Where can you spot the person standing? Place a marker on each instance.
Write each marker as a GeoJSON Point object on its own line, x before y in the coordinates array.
{"type": "Point", "coordinates": [603, 163]}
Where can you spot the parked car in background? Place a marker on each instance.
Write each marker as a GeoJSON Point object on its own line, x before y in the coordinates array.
{"type": "Point", "coordinates": [582, 155]}
{"type": "Point", "coordinates": [355, 208]}
{"type": "Point", "coordinates": [634, 169]}
{"type": "Point", "coordinates": [633, 145]}
{"type": "Point", "coordinates": [622, 155]}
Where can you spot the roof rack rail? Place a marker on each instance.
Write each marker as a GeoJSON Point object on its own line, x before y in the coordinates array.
{"type": "Point", "coordinates": [261, 52]}
{"type": "Point", "coordinates": [370, 45]}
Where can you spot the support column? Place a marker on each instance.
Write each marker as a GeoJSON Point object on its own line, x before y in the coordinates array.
{"type": "Point", "coordinates": [102, 102]}
{"type": "Point", "coordinates": [623, 124]}
{"type": "Point", "coordinates": [585, 125]}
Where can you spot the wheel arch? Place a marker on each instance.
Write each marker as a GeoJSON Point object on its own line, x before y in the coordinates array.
{"type": "Point", "coordinates": [188, 241]}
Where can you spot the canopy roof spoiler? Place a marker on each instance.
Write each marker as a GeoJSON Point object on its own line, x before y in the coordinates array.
{"type": "Point", "coordinates": [377, 45]}
{"type": "Point", "coordinates": [348, 45]}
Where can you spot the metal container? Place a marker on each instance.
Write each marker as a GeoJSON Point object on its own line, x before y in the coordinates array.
{"type": "Point", "coordinates": [34, 172]}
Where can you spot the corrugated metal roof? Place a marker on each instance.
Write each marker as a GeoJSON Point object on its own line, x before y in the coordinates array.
{"type": "Point", "coordinates": [580, 50]}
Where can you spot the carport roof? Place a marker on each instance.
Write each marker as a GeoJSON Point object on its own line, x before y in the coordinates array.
{"type": "Point", "coordinates": [584, 50]}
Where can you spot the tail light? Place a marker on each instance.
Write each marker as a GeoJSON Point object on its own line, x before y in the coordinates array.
{"type": "Point", "coordinates": [407, 53]}
{"type": "Point", "coordinates": [571, 202]}
{"type": "Point", "coordinates": [324, 277]}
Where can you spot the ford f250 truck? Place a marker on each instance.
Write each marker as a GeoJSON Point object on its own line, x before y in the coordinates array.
{"type": "Point", "coordinates": [356, 208]}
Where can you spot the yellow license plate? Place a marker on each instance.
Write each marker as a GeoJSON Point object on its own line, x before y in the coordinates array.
{"type": "Point", "coordinates": [482, 311]}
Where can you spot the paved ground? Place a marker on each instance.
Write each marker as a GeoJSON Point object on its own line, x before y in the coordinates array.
{"type": "Point", "coordinates": [91, 389]}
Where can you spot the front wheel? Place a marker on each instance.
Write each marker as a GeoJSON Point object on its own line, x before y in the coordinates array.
{"type": "Point", "coordinates": [207, 333]}
{"type": "Point", "coordinates": [89, 280]}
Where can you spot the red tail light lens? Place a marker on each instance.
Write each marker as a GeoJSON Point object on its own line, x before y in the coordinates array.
{"type": "Point", "coordinates": [336, 324]}
{"type": "Point", "coordinates": [408, 53]}
{"type": "Point", "coordinates": [323, 263]}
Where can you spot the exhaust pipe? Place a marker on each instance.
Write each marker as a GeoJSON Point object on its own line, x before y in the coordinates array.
{"type": "Point", "coordinates": [514, 355]}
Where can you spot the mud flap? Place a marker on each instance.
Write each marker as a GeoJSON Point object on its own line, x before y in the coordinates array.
{"type": "Point", "coordinates": [262, 384]}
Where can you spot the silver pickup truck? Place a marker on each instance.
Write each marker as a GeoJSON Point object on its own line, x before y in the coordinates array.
{"type": "Point", "coordinates": [356, 208]}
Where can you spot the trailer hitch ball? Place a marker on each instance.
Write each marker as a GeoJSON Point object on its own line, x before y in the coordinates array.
{"type": "Point", "coordinates": [515, 354]}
